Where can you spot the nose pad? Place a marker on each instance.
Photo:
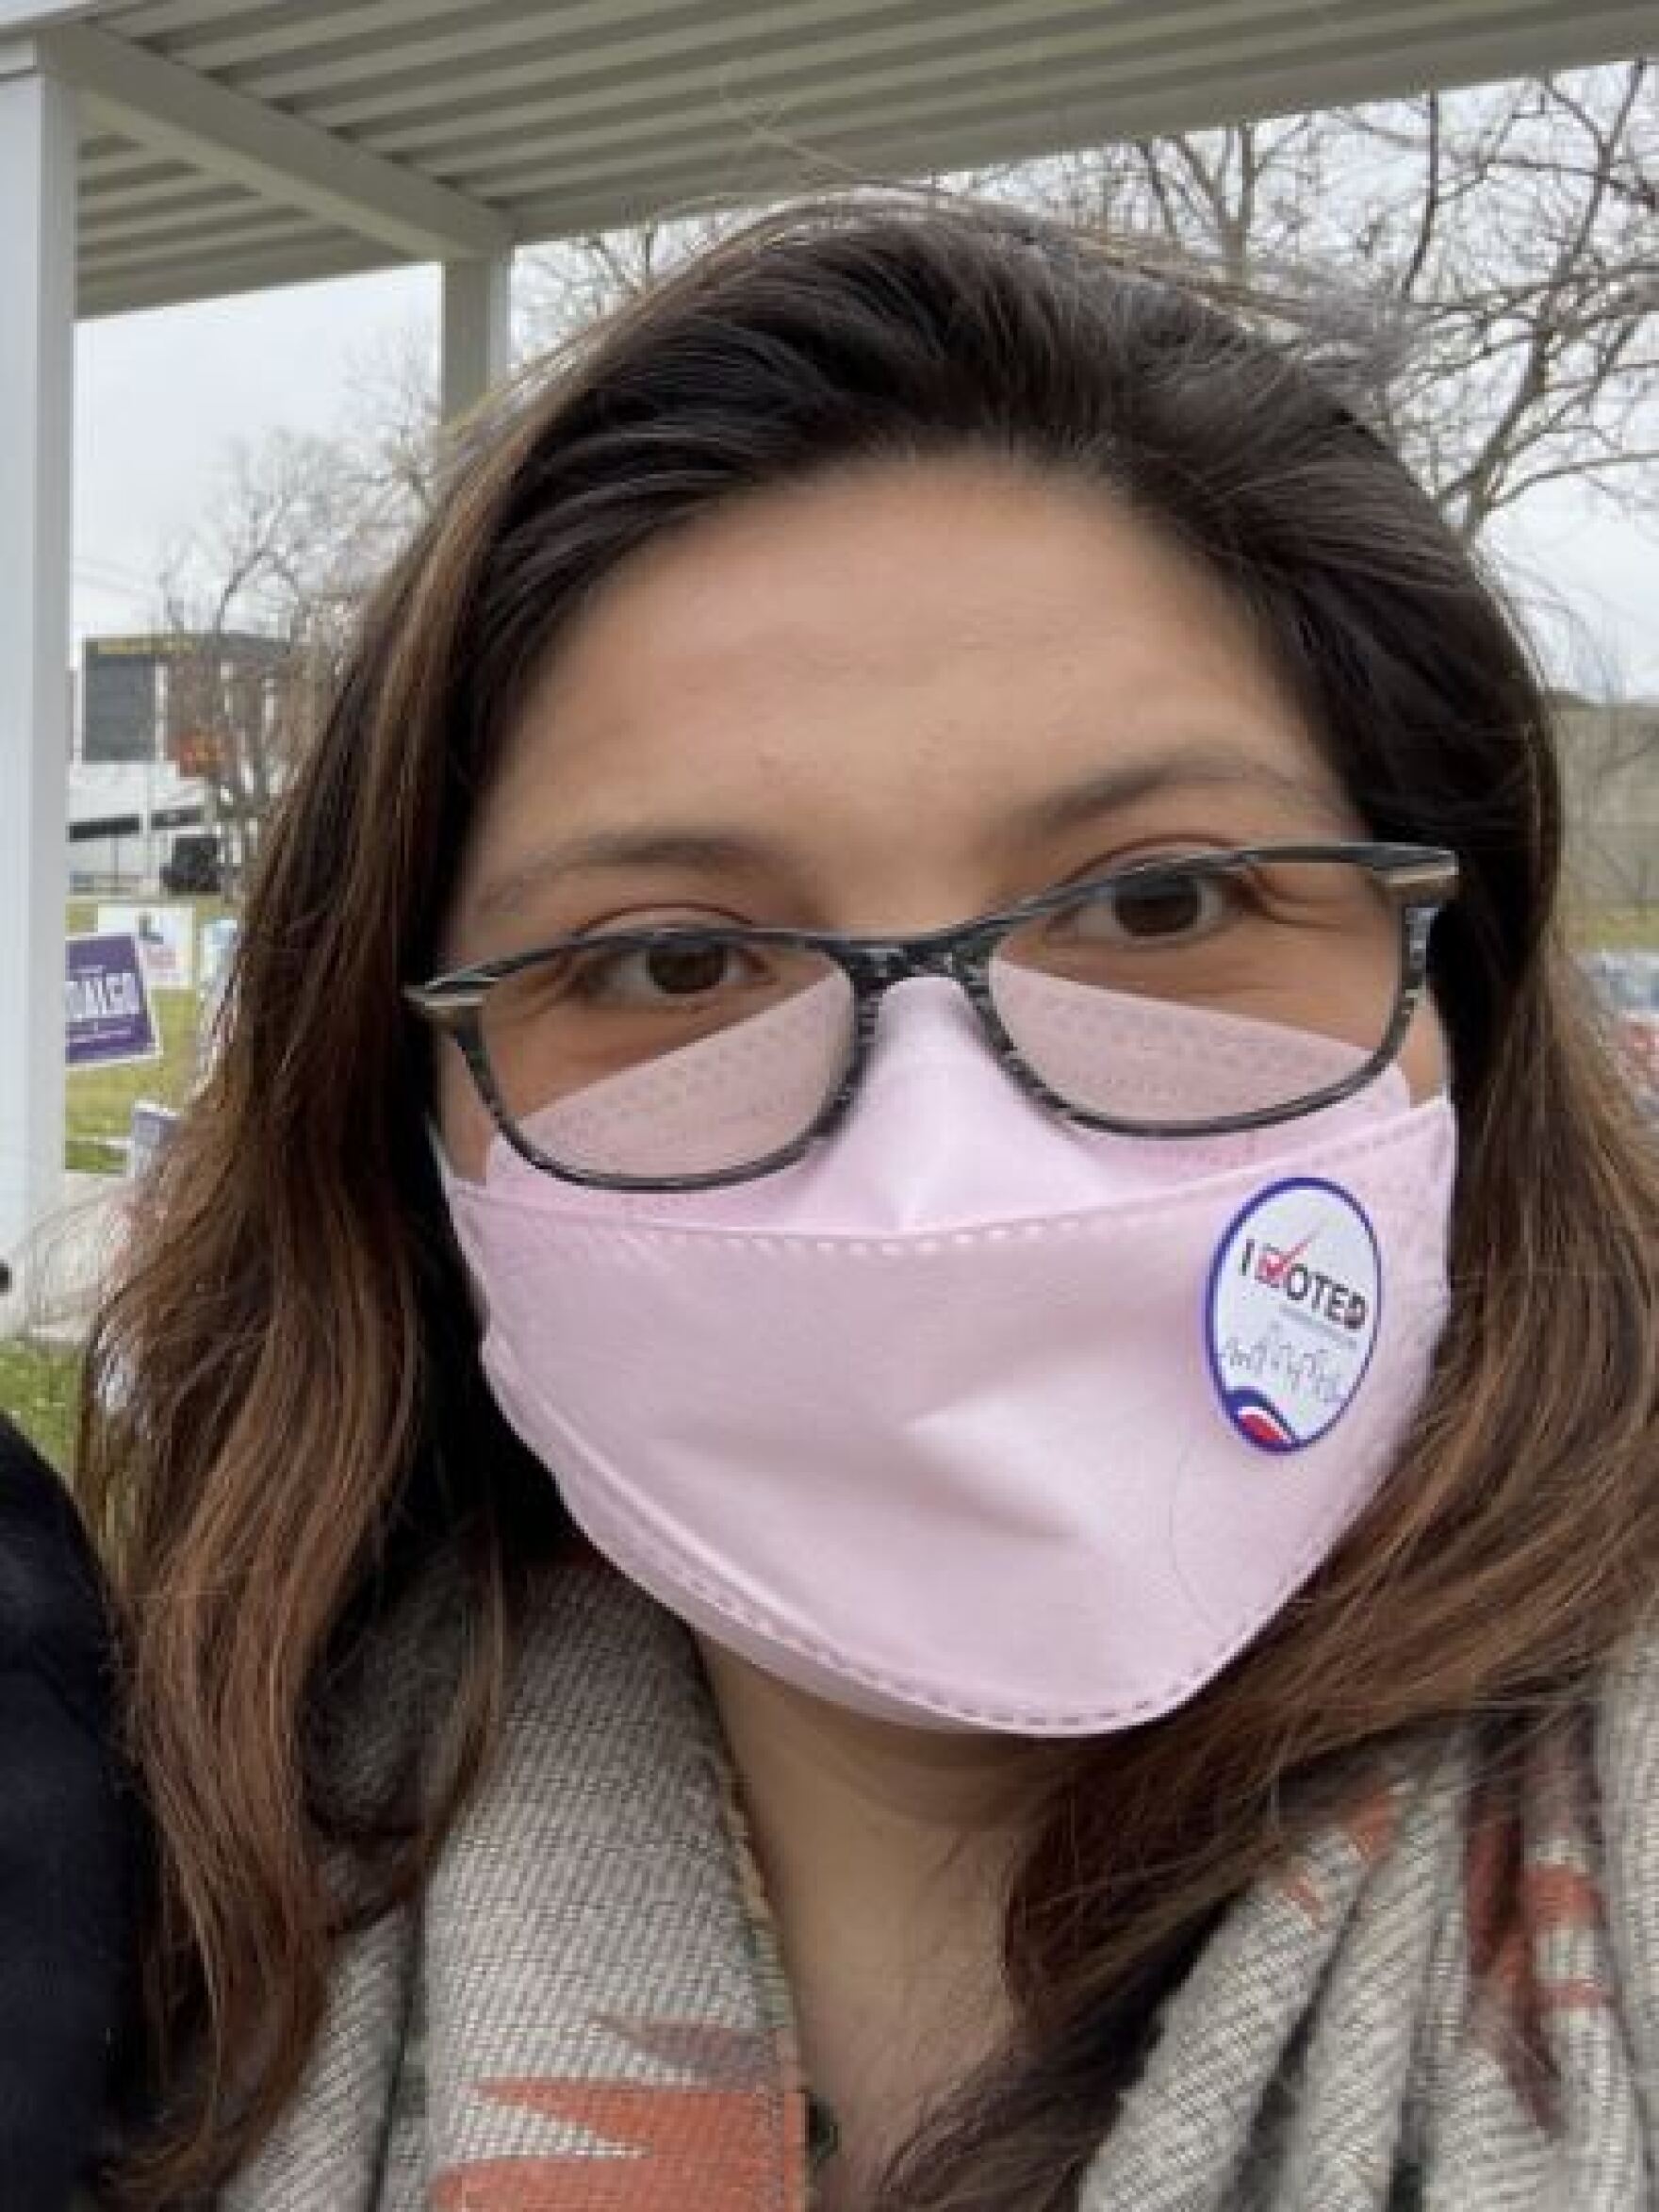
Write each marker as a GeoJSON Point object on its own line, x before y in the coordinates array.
{"type": "Point", "coordinates": [940, 1134]}
{"type": "Point", "coordinates": [927, 1017]}
{"type": "Point", "coordinates": [929, 1034]}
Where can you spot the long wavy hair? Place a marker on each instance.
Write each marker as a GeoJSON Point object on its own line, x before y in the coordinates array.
{"type": "Point", "coordinates": [284, 1424]}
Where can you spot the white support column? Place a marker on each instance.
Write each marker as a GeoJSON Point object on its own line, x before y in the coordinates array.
{"type": "Point", "coordinates": [37, 397]}
{"type": "Point", "coordinates": [477, 330]}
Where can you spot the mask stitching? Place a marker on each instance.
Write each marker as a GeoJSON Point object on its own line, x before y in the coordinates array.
{"type": "Point", "coordinates": [1331, 1157]}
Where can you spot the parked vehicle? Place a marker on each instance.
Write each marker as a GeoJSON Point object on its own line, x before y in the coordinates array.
{"type": "Point", "coordinates": [195, 870]}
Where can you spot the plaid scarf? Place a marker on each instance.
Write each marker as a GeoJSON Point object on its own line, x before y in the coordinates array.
{"type": "Point", "coordinates": [1439, 2006]}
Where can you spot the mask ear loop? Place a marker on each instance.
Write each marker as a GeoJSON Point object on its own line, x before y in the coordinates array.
{"type": "Point", "coordinates": [453, 1188]}
{"type": "Point", "coordinates": [440, 1159]}
{"type": "Point", "coordinates": [448, 1175]}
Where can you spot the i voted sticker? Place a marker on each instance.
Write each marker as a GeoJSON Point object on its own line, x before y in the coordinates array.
{"type": "Point", "coordinates": [1292, 1314]}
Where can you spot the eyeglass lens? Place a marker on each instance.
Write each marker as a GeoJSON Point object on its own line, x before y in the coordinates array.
{"type": "Point", "coordinates": [698, 1058]}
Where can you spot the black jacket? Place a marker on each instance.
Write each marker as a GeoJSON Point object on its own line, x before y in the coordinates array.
{"type": "Point", "coordinates": [67, 1864]}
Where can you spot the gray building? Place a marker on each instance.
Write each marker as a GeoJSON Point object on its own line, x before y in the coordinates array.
{"type": "Point", "coordinates": [1610, 762]}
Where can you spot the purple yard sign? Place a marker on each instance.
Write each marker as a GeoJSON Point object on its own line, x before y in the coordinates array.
{"type": "Point", "coordinates": [107, 1003]}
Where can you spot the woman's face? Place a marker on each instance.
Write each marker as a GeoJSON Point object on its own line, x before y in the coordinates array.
{"type": "Point", "coordinates": [855, 702]}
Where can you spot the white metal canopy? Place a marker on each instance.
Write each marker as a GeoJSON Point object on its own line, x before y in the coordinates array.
{"type": "Point", "coordinates": [159, 151]}
{"type": "Point", "coordinates": [233, 143]}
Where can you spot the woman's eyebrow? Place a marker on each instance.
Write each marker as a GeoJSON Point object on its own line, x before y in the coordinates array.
{"type": "Point", "coordinates": [1192, 767]}
{"type": "Point", "coordinates": [711, 850]}
{"type": "Point", "coordinates": [702, 850]}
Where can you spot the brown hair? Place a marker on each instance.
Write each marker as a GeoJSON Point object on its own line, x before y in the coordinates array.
{"type": "Point", "coordinates": [285, 1421]}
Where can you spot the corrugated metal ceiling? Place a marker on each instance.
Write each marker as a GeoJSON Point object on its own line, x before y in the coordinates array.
{"type": "Point", "coordinates": [545, 121]}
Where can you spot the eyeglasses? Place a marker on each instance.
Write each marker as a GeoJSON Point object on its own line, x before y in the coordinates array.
{"type": "Point", "coordinates": [683, 1056]}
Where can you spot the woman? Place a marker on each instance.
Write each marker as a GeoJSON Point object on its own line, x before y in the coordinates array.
{"type": "Point", "coordinates": [66, 1841]}
{"type": "Point", "coordinates": [894, 1431]}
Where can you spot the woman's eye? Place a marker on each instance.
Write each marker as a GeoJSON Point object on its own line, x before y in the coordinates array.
{"type": "Point", "coordinates": [658, 975]}
{"type": "Point", "coordinates": [1165, 908]}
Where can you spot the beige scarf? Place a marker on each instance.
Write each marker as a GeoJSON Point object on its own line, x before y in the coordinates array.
{"type": "Point", "coordinates": [1435, 2009]}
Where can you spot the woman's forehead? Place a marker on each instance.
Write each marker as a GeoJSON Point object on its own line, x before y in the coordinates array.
{"type": "Point", "coordinates": [945, 644]}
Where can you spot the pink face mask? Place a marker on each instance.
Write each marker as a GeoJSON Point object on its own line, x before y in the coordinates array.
{"type": "Point", "coordinates": [972, 1417]}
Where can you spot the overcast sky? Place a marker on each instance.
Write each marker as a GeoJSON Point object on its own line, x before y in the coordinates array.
{"type": "Point", "coordinates": [162, 397]}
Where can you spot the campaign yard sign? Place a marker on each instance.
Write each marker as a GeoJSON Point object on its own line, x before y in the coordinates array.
{"type": "Point", "coordinates": [149, 1133]}
{"type": "Point", "coordinates": [109, 1017]}
{"type": "Point", "coordinates": [167, 941]}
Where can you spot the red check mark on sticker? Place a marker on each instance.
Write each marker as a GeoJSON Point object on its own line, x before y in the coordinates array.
{"type": "Point", "coordinates": [1273, 1268]}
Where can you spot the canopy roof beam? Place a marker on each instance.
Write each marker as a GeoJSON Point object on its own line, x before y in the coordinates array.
{"type": "Point", "coordinates": [189, 118]}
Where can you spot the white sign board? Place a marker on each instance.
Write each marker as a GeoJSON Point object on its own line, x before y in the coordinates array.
{"type": "Point", "coordinates": [167, 941]}
{"type": "Point", "coordinates": [148, 1132]}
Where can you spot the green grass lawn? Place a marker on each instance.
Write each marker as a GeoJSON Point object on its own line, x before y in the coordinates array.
{"type": "Point", "coordinates": [38, 1384]}
{"type": "Point", "coordinates": [1615, 929]}
{"type": "Point", "coordinates": [101, 1099]}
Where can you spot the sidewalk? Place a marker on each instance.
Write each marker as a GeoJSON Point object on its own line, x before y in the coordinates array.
{"type": "Point", "coordinates": [60, 1271]}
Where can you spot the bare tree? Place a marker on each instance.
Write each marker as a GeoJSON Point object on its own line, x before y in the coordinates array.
{"type": "Point", "coordinates": [559, 289]}
{"type": "Point", "coordinates": [1501, 244]}
{"type": "Point", "coordinates": [257, 605]}
{"type": "Point", "coordinates": [1506, 241]}
{"type": "Point", "coordinates": [390, 449]}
